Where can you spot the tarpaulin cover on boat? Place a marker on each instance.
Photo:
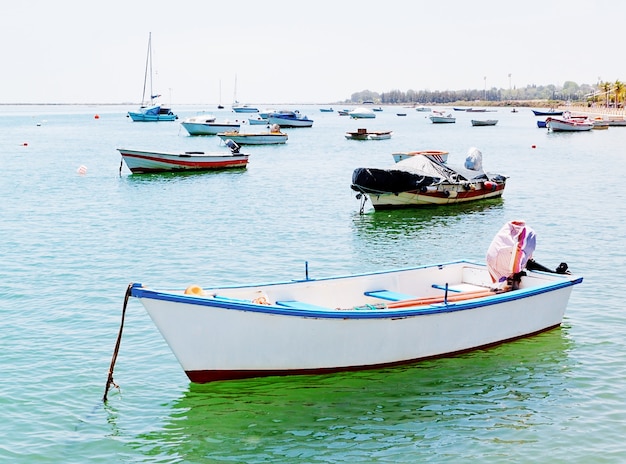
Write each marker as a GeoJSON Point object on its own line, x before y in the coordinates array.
{"type": "Point", "coordinates": [416, 172]}
{"type": "Point", "coordinates": [510, 250]}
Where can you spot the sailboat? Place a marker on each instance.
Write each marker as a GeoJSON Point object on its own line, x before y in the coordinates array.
{"type": "Point", "coordinates": [239, 108]}
{"type": "Point", "coordinates": [150, 110]}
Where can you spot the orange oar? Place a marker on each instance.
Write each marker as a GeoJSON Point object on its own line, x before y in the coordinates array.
{"type": "Point", "coordinates": [440, 299]}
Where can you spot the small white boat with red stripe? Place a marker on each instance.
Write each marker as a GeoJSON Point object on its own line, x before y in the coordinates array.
{"type": "Point", "coordinates": [144, 162]}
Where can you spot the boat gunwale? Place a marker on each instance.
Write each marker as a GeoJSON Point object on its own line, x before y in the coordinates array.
{"type": "Point", "coordinates": [138, 291]}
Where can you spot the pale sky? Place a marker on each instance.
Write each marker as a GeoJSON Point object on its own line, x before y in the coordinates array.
{"type": "Point", "coordinates": [80, 51]}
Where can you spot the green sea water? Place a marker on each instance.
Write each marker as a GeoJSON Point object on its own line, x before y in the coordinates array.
{"type": "Point", "coordinates": [71, 243]}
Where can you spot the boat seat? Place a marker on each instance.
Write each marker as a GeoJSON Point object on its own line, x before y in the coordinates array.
{"type": "Point", "coordinates": [301, 305]}
{"type": "Point", "coordinates": [460, 287]}
{"type": "Point", "coordinates": [227, 299]}
{"type": "Point", "coordinates": [389, 295]}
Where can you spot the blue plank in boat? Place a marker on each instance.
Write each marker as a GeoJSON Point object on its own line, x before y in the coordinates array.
{"type": "Point", "coordinates": [443, 287]}
{"type": "Point", "coordinates": [389, 295]}
{"type": "Point", "coordinates": [301, 305]}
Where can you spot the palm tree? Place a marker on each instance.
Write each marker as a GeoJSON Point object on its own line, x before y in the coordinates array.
{"type": "Point", "coordinates": [619, 92]}
{"type": "Point", "coordinates": [606, 86]}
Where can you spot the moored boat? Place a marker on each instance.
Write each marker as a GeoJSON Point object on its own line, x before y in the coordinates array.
{"type": "Point", "coordinates": [150, 110]}
{"type": "Point", "coordinates": [206, 125]}
{"type": "Point", "coordinates": [272, 137]}
{"type": "Point", "coordinates": [289, 119]}
{"type": "Point", "coordinates": [425, 181]}
{"type": "Point", "coordinates": [441, 156]}
{"type": "Point", "coordinates": [484, 122]}
{"type": "Point", "coordinates": [364, 134]}
{"type": "Point", "coordinates": [569, 124]}
{"type": "Point", "coordinates": [145, 161]}
{"type": "Point", "coordinates": [362, 321]}
{"type": "Point", "coordinates": [438, 117]}
{"type": "Point", "coordinates": [550, 112]}
{"type": "Point", "coordinates": [362, 113]}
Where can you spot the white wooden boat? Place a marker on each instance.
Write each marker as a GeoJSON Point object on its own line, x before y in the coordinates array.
{"type": "Point", "coordinates": [364, 134]}
{"type": "Point", "coordinates": [258, 121]}
{"type": "Point", "coordinates": [423, 109]}
{"type": "Point", "coordinates": [569, 124]}
{"type": "Point", "coordinates": [484, 122]}
{"type": "Point", "coordinates": [439, 117]}
{"type": "Point", "coordinates": [289, 119]}
{"type": "Point", "coordinates": [361, 113]}
{"type": "Point", "coordinates": [150, 110]}
{"type": "Point", "coordinates": [425, 181]}
{"type": "Point", "coordinates": [271, 137]}
{"type": "Point", "coordinates": [372, 320]}
{"type": "Point", "coordinates": [144, 162]}
{"type": "Point", "coordinates": [237, 108]}
{"type": "Point", "coordinates": [441, 156]}
{"type": "Point", "coordinates": [206, 125]}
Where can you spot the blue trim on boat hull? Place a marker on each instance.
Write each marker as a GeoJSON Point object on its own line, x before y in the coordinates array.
{"type": "Point", "coordinates": [349, 313]}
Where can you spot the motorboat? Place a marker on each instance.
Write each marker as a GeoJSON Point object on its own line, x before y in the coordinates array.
{"type": "Point", "coordinates": [426, 181]}
{"type": "Point", "coordinates": [150, 161]}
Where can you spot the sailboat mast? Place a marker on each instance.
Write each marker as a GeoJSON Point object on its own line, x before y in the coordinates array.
{"type": "Point", "coordinates": [150, 55]}
{"type": "Point", "coordinates": [145, 76]}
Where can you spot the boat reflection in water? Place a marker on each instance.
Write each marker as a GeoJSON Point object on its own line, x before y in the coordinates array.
{"type": "Point", "coordinates": [274, 416]}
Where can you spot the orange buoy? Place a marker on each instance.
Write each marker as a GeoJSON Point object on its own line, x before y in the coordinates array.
{"type": "Point", "coordinates": [533, 146]}
{"type": "Point", "coordinates": [96, 116]}
{"type": "Point", "coordinates": [195, 290]}
{"type": "Point", "coordinates": [25, 144]}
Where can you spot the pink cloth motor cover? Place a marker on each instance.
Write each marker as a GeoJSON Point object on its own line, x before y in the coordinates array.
{"type": "Point", "coordinates": [510, 250]}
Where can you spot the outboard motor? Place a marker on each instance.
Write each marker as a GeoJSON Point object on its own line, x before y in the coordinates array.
{"type": "Point", "coordinates": [474, 159]}
{"type": "Point", "coordinates": [234, 148]}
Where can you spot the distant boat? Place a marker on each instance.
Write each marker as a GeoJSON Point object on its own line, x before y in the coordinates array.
{"type": "Point", "coordinates": [364, 134]}
{"type": "Point", "coordinates": [440, 118]}
{"type": "Point", "coordinates": [258, 121]}
{"type": "Point", "coordinates": [145, 162]}
{"type": "Point", "coordinates": [441, 156]}
{"type": "Point", "coordinates": [401, 114]}
{"type": "Point", "coordinates": [551, 112]}
{"type": "Point", "coordinates": [150, 110]}
{"type": "Point", "coordinates": [289, 119]}
{"type": "Point", "coordinates": [271, 137]}
{"type": "Point", "coordinates": [423, 109]}
{"type": "Point", "coordinates": [377, 109]}
{"type": "Point", "coordinates": [569, 124]}
{"type": "Point", "coordinates": [475, 110]}
{"type": "Point", "coordinates": [326, 110]}
{"type": "Point", "coordinates": [484, 122]}
{"type": "Point", "coordinates": [459, 109]}
{"type": "Point", "coordinates": [362, 113]}
{"type": "Point", "coordinates": [202, 125]}
{"type": "Point", "coordinates": [237, 108]}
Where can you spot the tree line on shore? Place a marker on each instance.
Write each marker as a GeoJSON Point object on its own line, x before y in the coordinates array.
{"type": "Point", "coordinates": [603, 93]}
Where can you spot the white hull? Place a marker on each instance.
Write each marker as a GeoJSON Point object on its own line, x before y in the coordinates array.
{"type": "Point", "coordinates": [290, 122]}
{"type": "Point", "coordinates": [561, 125]}
{"type": "Point", "coordinates": [443, 194]}
{"type": "Point", "coordinates": [209, 128]}
{"type": "Point", "coordinates": [268, 138]}
{"type": "Point", "coordinates": [442, 119]}
{"type": "Point", "coordinates": [441, 156]}
{"type": "Point", "coordinates": [222, 334]}
{"type": "Point", "coordinates": [142, 162]}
